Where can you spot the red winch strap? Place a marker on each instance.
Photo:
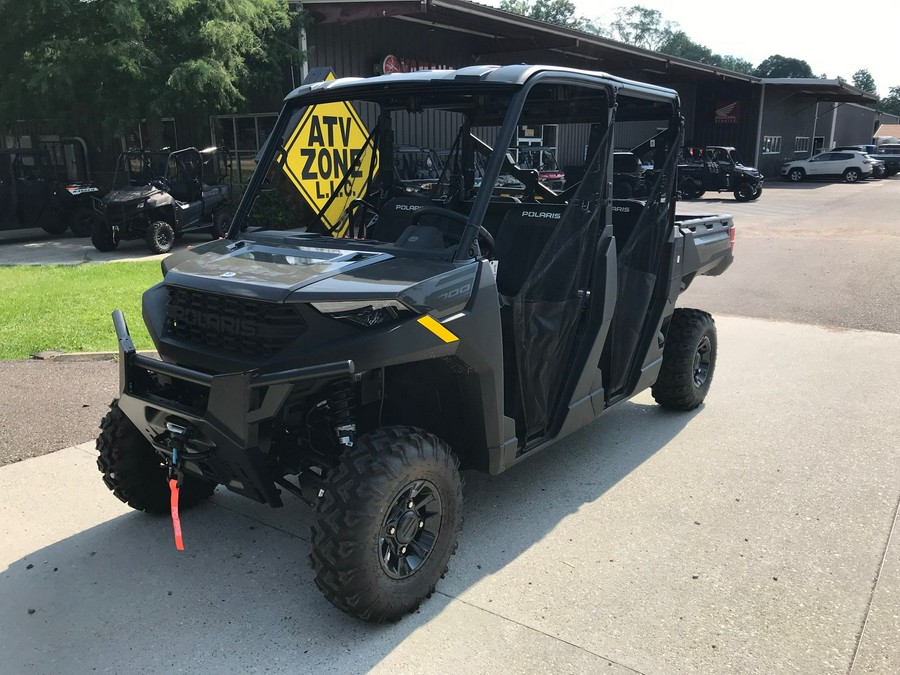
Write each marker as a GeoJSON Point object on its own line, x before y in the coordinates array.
{"type": "Point", "coordinates": [176, 521]}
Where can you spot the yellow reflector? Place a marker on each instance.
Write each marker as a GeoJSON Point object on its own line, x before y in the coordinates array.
{"type": "Point", "coordinates": [436, 328]}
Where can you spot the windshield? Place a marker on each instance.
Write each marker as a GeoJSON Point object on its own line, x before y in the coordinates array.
{"type": "Point", "coordinates": [136, 169]}
{"type": "Point", "coordinates": [735, 157]}
{"type": "Point", "coordinates": [408, 167]}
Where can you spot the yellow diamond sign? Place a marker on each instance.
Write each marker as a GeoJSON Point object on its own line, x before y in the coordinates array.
{"type": "Point", "coordinates": [329, 142]}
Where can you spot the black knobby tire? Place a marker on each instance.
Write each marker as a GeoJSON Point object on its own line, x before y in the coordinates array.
{"type": "Point", "coordinates": [691, 189]}
{"type": "Point", "coordinates": [756, 195]}
{"type": "Point", "coordinates": [689, 360]}
{"type": "Point", "coordinates": [744, 192]}
{"type": "Point", "coordinates": [81, 221]}
{"type": "Point", "coordinates": [355, 551]}
{"type": "Point", "coordinates": [135, 473]}
{"type": "Point", "coordinates": [102, 237]}
{"type": "Point", "coordinates": [160, 236]}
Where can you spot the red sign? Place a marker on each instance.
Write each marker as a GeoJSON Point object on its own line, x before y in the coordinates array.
{"type": "Point", "coordinates": [728, 112]}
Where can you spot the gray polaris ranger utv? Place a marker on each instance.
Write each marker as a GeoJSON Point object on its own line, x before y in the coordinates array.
{"type": "Point", "coordinates": [359, 359]}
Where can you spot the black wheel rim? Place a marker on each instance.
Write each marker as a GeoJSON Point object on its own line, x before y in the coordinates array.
{"type": "Point", "coordinates": [410, 530]}
{"type": "Point", "coordinates": [163, 240]}
{"type": "Point", "coordinates": [701, 362]}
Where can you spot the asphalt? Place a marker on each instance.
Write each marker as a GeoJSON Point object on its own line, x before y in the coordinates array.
{"type": "Point", "coordinates": [755, 535]}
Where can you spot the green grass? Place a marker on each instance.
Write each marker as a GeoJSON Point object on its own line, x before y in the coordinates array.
{"type": "Point", "coordinates": [67, 307]}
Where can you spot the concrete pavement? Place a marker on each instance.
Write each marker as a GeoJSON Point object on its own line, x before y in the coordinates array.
{"type": "Point", "coordinates": [750, 536]}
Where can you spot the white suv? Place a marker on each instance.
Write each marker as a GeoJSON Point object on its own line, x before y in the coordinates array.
{"type": "Point", "coordinates": [852, 166]}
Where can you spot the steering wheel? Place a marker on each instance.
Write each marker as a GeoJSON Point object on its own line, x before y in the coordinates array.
{"type": "Point", "coordinates": [367, 206]}
{"type": "Point", "coordinates": [484, 236]}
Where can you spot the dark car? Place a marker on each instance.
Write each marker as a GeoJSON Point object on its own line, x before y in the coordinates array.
{"type": "Point", "coordinates": [717, 168]}
{"type": "Point", "coordinates": [33, 193]}
{"type": "Point", "coordinates": [457, 329]}
{"type": "Point", "coordinates": [159, 195]}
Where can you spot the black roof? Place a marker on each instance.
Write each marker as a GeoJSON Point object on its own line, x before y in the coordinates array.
{"type": "Point", "coordinates": [515, 75]}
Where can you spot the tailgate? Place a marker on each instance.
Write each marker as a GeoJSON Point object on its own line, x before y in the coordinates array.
{"type": "Point", "coordinates": [708, 243]}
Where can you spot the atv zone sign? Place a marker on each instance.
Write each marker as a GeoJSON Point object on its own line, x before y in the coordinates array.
{"type": "Point", "coordinates": [329, 142]}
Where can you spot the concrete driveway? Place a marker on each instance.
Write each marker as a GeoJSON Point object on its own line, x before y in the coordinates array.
{"type": "Point", "coordinates": [36, 247]}
{"type": "Point", "coordinates": [749, 536]}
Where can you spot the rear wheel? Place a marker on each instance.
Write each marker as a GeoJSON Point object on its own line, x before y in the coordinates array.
{"type": "Point", "coordinates": [387, 524]}
{"type": "Point", "coordinates": [691, 189]}
{"type": "Point", "coordinates": [135, 473]}
{"type": "Point", "coordinates": [160, 236]}
{"type": "Point", "coordinates": [689, 360]}
{"type": "Point", "coordinates": [81, 221]}
{"type": "Point", "coordinates": [102, 237]}
{"type": "Point", "coordinates": [852, 175]}
{"type": "Point", "coordinates": [796, 175]}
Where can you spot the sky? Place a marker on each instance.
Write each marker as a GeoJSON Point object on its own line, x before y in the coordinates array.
{"type": "Point", "coordinates": [834, 38]}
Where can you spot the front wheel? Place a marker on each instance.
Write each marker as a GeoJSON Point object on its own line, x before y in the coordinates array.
{"type": "Point", "coordinates": [796, 175]}
{"type": "Point", "coordinates": [744, 192]}
{"type": "Point", "coordinates": [102, 237]}
{"type": "Point", "coordinates": [852, 175]}
{"type": "Point", "coordinates": [221, 220]}
{"type": "Point", "coordinates": [689, 360]}
{"type": "Point", "coordinates": [160, 236]}
{"type": "Point", "coordinates": [387, 524]}
{"type": "Point", "coordinates": [135, 473]}
{"type": "Point", "coordinates": [756, 194]}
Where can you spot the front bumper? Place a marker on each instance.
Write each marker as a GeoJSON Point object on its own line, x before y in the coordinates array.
{"type": "Point", "coordinates": [224, 414]}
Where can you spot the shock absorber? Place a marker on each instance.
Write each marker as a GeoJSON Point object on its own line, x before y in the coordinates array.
{"type": "Point", "coordinates": [342, 409]}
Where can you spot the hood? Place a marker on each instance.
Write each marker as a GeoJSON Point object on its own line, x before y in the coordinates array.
{"type": "Point", "coordinates": [287, 267]}
{"type": "Point", "coordinates": [130, 194]}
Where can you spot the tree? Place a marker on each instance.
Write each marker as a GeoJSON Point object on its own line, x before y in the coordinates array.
{"type": "Point", "coordinates": [862, 79]}
{"type": "Point", "coordinates": [782, 66]}
{"type": "Point", "coordinates": [560, 12]}
{"type": "Point", "coordinates": [104, 64]}
{"type": "Point", "coordinates": [736, 64]}
{"type": "Point", "coordinates": [642, 27]}
{"type": "Point", "coordinates": [891, 103]}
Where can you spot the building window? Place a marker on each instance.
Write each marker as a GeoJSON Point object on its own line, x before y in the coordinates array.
{"type": "Point", "coordinates": [801, 144]}
{"type": "Point", "coordinates": [243, 135]}
{"type": "Point", "coordinates": [771, 145]}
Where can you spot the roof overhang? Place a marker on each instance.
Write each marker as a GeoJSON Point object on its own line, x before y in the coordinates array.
{"type": "Point", "coordinates": [498, 32]}
{"type": "Point", "coordinates": [823, 90]}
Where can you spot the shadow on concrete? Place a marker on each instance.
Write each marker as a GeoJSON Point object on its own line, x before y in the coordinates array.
{"type": "Point", "coordinates": [118, 597]}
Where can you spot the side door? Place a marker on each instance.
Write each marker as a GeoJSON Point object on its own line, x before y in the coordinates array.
{"type": "Point", "coordinates": [820, 164]}
{"type": "Point", "coordinates": [184, 179]}
{"type": "Point", "coordinates": [35, 192]}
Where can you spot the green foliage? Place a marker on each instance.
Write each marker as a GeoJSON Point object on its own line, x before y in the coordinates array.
{"type": "Point", "coordinates": [67, 307]}
{"type": "Point", "coordinates": [737, 64]}
{"type": "Point", "coordinates": [862, 79]}
{"type": "Point", "coordinates": [891, 103]}
{"type": "Point", "coordinates": [560, 12]}
{"type": "Point", "coordinates": [107, 63]}
{"type": "Point", "coordinates": [643, 27]}
{"type": "Point", "coordinates": [783, 66]}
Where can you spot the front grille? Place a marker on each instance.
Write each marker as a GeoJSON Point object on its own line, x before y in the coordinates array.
{"type": "Point", "coordinates": [247, 327]}
{"type": "Point", "coordinates": [120, 214]}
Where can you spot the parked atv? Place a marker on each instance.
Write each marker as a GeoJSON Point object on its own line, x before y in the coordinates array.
{"type": "Point", "coordinates": [717, 168]}
{"type": "Point", "coordinates": [158, 196]}
{"type": "Point", "coordinates": [34, 194]}
{"type": "Point", "coordinates": [457, 329]}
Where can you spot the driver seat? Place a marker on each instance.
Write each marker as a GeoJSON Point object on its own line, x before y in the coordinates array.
{"type": "Point", "coordinates": [395, 216]}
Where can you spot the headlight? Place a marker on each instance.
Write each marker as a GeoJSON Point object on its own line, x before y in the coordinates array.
{"type": "Point", "coordinates": [368, 313]}
{"type": "Point", "coordinates": [141, 205]}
